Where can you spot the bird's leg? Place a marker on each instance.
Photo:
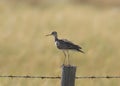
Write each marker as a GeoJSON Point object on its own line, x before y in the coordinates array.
{"type": "Point", "coordinates": [68, 57]}
{"type": "Point", "coordinates": [65, 57]}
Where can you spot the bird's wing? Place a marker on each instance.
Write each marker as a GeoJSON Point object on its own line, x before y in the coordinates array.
{"type": "Point", "coordinates": [69, 42]}
{"type": "Point", "coordinates": [65, 40]}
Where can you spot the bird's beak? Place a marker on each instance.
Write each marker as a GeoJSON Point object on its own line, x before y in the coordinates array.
{"type": "Point", "coordinates": [48, 35]}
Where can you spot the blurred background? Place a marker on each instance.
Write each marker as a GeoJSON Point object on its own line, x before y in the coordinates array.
{"type": "Point", "coordinates": [25, 50]}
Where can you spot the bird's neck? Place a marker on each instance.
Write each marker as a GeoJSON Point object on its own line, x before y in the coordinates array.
{"type": "Point", "coordinates": [56, 38]}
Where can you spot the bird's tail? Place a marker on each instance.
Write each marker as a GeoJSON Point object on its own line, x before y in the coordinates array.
{"type": "Point", "coordinates": [81, 51]}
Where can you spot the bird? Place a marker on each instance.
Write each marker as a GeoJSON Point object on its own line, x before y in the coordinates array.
{"type": "Point", "coordinates": [65, 45]}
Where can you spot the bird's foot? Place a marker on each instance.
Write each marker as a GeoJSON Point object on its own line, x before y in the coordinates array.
{"type": "Point", "coordinates": [68, 65]}
{"type": "Point", "coordinates": [62, 65]}
{"type": "Point", "coordinates": [65, 65]}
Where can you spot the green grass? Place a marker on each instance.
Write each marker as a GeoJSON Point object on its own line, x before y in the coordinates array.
{"type": "Point", "coordinates": [25, 50]}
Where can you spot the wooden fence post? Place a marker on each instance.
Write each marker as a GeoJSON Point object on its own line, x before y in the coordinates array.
{"type": "Point", "coordinates": [68, 75]}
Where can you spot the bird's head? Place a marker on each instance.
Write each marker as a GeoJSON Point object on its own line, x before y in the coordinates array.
{"type": "Point", "coordinates": [54, 33]}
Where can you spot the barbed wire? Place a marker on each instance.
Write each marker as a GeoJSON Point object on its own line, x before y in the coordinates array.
{"type": "Point", "coordinates": [28, 76]}
{"type": "Point", "coordinates": [97, 77]}
{"type": "Point", "coordinates": [58, 77]}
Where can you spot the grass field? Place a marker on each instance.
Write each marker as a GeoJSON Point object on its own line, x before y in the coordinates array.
{"type": "Point", "coordinates": [25, 50]}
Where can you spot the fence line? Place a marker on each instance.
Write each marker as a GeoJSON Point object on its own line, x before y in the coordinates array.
{"type": "Point", "coordinates": [58, 77]}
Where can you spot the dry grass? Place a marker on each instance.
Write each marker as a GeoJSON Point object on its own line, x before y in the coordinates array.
{"type": "Point", "coordinates": [24, 49]}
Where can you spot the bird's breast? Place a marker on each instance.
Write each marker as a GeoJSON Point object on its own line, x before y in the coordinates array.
{"type": "Point", "coordinates": [60, 45]}
{"type": "Point", "coordinates": [56, 43]}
